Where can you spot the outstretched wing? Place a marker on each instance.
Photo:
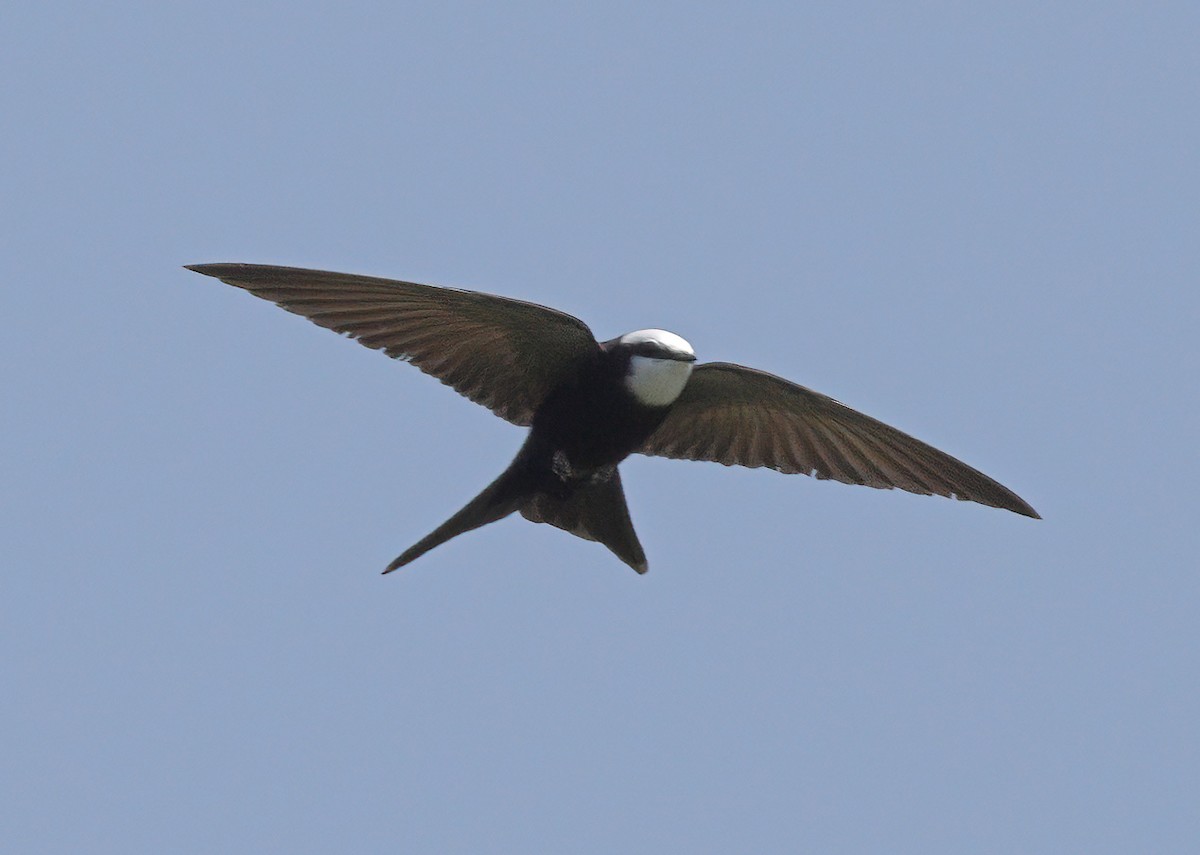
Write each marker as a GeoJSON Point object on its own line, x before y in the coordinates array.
{"type": "Point", "coordinates": [735, 415]}
{"type": "Point", "coordinates": [501, 353]}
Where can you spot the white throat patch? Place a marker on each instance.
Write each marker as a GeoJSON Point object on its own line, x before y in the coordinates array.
{"type": "Point", "coordinates": [657, 381]}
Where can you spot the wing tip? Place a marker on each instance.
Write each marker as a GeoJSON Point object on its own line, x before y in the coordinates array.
{"type": "Point", "coordinates": [1026, 510]}
{"type": "Point", "coordinates": [1009, 501]}
{"type": "Point", "coordinates": [218, 270]}
{"type": "Point", "coordinates": [1006, 500]}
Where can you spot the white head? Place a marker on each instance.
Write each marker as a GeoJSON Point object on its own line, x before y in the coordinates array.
{"type": "Point", "coordinates": [660, 363]}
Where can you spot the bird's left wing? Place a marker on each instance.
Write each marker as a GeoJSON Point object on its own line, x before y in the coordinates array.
{"type": "Point", "coordinates": [501, 353]}
{"type": "Point", "coordinates": [735, 415]}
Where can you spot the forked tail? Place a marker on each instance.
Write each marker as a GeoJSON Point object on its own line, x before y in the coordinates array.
{"type": "Point", "coordinates": [594, 510]}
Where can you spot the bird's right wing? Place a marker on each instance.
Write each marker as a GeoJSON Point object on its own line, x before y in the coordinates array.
{"type": "Point", "coordinates": [504, 354]}
{"type": "Point", "coordinates": [735, 415]}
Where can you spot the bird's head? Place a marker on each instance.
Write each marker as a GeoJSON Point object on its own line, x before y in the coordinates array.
{"type": "Point", "coordinates": [659, 364]}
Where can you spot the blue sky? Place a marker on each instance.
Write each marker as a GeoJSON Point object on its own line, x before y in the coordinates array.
{"type": "Point", "coordinates": [977, 224]}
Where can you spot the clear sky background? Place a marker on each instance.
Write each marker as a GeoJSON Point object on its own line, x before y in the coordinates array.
{"type": "Point", "coordinates": [977, 224]}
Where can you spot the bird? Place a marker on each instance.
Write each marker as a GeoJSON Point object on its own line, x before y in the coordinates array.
{"type": "Point", "coordinates": [590, 404]}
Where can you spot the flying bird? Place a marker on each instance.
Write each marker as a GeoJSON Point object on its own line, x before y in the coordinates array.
{"type": "Point", "coordinates": [591, 404]}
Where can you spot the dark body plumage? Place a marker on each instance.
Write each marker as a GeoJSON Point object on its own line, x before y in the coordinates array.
{"type": "Point", "coordinates": [566, 472]}
{"type": "Point", "coordinates": [592, 418]}
{"type": "Point", "coordinates": [590, 405]}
